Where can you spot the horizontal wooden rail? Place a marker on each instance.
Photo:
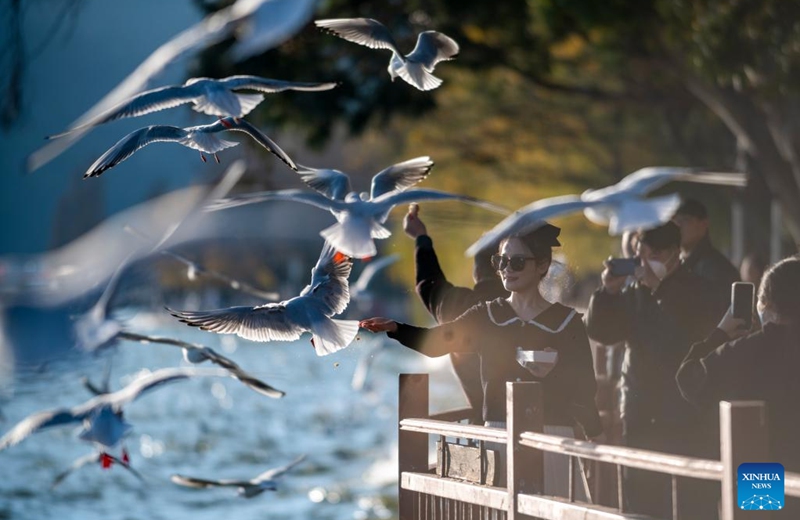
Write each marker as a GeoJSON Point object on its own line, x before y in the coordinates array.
{"type": "Point", "coordinates": [630, 457]}
{"type": "Point", "coordinates": [554, 508]}
{"type": "Point", "coordinates": [448, 429]}
{"type": "Point", "coordinates": [791, 484]}
{"type": "Point", "coordinates": [485, 496]}
{"type": "Point", "coordinates": [456, 414]}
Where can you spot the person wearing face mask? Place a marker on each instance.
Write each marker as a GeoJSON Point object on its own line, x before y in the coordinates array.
{"type": "Point", "coordinates": [524, 320]}
{"type": "Point", "coordinates": [658, 317]}
{"type": "Point", "coordinates": [734, 363]}
{"type": "Point", "coordinates": [446, 302]}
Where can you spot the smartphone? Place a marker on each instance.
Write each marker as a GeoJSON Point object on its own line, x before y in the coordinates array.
{"type": "Point", "coordinates": [623, 266]}
{"type": "Point", "coordinates": [742, 295]}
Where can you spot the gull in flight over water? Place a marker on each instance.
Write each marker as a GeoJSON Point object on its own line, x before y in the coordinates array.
{"type": "Point", "coordinates": [415, 68]}
{"type": "Point", "coordinates": [622, 207]}
{"type": "Point", "coordinates": [102, 417]}
{"type": "Point", "coordinates": [267, 481]}
{"type": "Point", "coordinates": [327, 295]}
{"type": "Point", "coordinates": [216, 97]}
{"type": "Point", "coordinates": [359, 215]}
{"type": "Point", "coordinates": [105, 460]}
{"type": "Point", "coordinates": [202, 138]}
{"type": "Point", "coordinates": [258, 25]}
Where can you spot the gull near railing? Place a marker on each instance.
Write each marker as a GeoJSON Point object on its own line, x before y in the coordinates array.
{"type": "Point", "coordinates": [425, 494]}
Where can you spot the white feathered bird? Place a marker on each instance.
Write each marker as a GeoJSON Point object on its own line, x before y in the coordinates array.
{"type": "Point", "coordinates": [327, 295]}
{"type": "Point", "coordinates": [203, 138]}
{"type": "Point", "coordinates": [266, 481]}
{"type": "Point", "coordinates": [360, 216]}
{"type": "Point", "coordinates": [622, 206]}
{"type": "Point", "coordinates": [415, 68]}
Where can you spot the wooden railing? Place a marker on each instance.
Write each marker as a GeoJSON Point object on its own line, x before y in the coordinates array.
{"type": "Point", "coordinates": [424, 495]}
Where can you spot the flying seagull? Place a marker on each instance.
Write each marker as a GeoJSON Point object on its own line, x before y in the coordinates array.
{"type": "Point", "coordinates": [267, 481]}
{"type": "Point", "coordinates": [622, 206]}
{"type": "Point", "coordinates": [216, 97]}
{"type": "Point", "coordinates": [202, 138]}
{"type": "Point", "coordinates": [105, 461]}
{"type": "Point", "coordinates": [327, 295]}
{"type": "Point", "coordinates": [415, 68]}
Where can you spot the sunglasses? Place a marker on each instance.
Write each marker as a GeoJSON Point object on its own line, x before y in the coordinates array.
{"type": "Point", "coordinates": [515, 262]}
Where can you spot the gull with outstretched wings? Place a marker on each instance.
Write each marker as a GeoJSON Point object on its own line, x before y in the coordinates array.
{"type": "Point", "coordinates": [203, 138]}
{"type": "Point", "coordinates": [327, 295]}
{"type": "Point", "coordinates": [415, 68]}
{"type": "Point", "coordinates": [622, 206]}
{"type": "Point", "coordinates": [105, 460]}
{"type": "Point", "coordinates": [267, 481]}
{"type": "Point", "coordinates": [216, 97]}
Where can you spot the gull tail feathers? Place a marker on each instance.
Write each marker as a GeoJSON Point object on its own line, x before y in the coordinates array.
{"type": "Point", "coordinates": [353, 237]}
{"type": "Point", "coordinates": [415, 74]}
{"type": "Point", "coordinates": [334, 335]}
{"type": "Point", "coordinates": [643, 214]}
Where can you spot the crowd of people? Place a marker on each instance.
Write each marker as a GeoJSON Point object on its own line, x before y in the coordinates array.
{"type": "Point", "coordinates": [684, 351]}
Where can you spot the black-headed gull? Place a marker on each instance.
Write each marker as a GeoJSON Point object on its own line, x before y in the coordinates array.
{"type": "Point", "coordinates": [415, 68]}
{"type": "Point", "coordinates": [216, 97]}
{"type": "Point", "coordinates": [258, 25]}
{"type": "Point", "coordinates": [102, 415]}
{"type": "Point", "coordinates": [194, 353]}
{"type": "Point", "coordinates": [360, 215]}
{"type": "Point", "coordinates": [105, 460]}
{"type": "Point", "coordinates": [327, 295]}
{"type": "Point", "coordinates": [202, 137]}
{"type": "Point", "coordinates": [266, 481]}
{"type": "Point", "coordinates": [622, 206]}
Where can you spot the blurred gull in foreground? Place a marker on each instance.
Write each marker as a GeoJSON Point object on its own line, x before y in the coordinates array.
{"type": "Point", "coordinates": [267, 481]}
{"type": "Point", "coordinates": [327, 295]}
{"type": "Point", "coordinates": [202, 138]}
{"type": "Point", "coordinates": [105, 460]}
{"type": "Point", "coordinates": [216, 97]}
{"type": "Point", "coordinates": [622, 206]}
{"type": "Point", "coordinates": [415, 68]}
{"type": "Point", "coordinates": [360, 215]}
{"type": "Point", "coordinates": [258, 25]}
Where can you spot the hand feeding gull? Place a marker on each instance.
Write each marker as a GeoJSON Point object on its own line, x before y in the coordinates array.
{"type": "Point", "coordinates": [360, 215]}
{"type": "Point", "coordinates": [246, 488]}
{"type": "Point", "coordinates": [327, 295]}
{"type": "Point", "coordinates": [216, 97]}
{"type": "Point", "coordinates": [622, 206]}
{"type": "Point", "coordinates": [415, 68]}
{"type": "Point", "coordinates": [202, 137]}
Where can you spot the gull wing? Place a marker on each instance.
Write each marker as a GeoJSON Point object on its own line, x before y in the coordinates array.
{"type": "Point", "coordinates": [133, 142]}
{"type": "Point", "coordinates": [237, 124]}
{"type": "Point", "coordinates": [433, 47]}
{"type": "Point", "coordinates": [400, 176]}
{"type": "Point", "coordinates": [386, 202]}
{"type": "Point", "coordinates": [527, 217]}
{"type": "Point", "coordinates": [363, 31]}
{"type": "Point", "coordinates": [265, 323]}
{"type": "Point", "coordinates": [201, 483]}
{"type": "Point", "coordinates": [39, 421]}
{"type": "Point", "coordinates": [270, 86]}
{"type": "Point", "coordinates": [329, 283]}
{"type": "Point", "coordinates": [334, 184]}
{"type": "Point", "coordinates": [147, 383]}
{"type": "Point", "coordinates": [306, 197]}
{"type": "Point", "coordinates": [277, 472]}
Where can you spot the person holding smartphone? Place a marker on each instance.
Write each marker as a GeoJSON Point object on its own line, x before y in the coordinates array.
{"type": "Point", "coordinates": [658, 317]}
{"type": "Point", "coordinates": [525, 320]}
{"type": "Point", "coordinates": [735, 363]}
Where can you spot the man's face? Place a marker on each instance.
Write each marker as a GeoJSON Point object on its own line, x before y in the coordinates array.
{"type": "Point", "coordinates": [668, 256]}
{"type": "Point", "coordinates": [693, 229]}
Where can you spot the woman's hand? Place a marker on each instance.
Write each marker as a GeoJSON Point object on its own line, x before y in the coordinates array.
{"type": "Point", "coordinates": [378, 325]}
{"type": "Point", "coordinates": [733, 327]}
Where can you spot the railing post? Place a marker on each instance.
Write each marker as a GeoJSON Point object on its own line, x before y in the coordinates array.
{"type": "Point", "coordinates": [412, 447]}
{"type": "Point", "coordinates": [743, 438]}
{"type": "Point", "coordinates": [524, 412]}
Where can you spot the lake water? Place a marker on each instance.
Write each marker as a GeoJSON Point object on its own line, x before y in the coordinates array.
{"type": "Point", "coordinates": [218, 428]}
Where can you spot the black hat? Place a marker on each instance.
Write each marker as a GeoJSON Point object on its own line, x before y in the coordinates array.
{"type": "Point", "coordinates": [664, 236]}
{"type": "Point", "coordinates": [692, 208]}
{"type": "Point", "coordinates": [539, 236]}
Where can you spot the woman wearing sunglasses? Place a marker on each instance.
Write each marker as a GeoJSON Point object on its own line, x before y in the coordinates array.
{"type": "Point", "coordinates": [525, 321]}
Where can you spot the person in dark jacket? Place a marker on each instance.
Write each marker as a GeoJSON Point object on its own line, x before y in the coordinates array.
{"type": "Point", "coordinates": [446, 302]}
{"type": "Point", "coordinates": [760, 366]}
{"type": "Point", "coordinates": [658, 317]}
{"type": "Point", "coordinates": [524, 320]}
{"type": "Point", "coordinates": [698, 253]}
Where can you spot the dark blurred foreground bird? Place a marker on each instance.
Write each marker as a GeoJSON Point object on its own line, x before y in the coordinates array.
{"type": "Point", "coordinates": [267, 481]}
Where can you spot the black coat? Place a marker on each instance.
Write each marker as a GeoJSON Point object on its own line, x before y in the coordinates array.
{"type": "Point", "coordinates": [446, 302]}
{"type": "Point", "coordinates": [708, 263]}
{"type": "Point", "coordinates": [658, 328]}
{"type": "Point", "coordinates": [494, 331]}
{"type": "Point", "coordinates": [763, 367]}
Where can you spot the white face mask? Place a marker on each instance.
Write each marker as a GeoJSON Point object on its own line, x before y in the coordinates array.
{"type": "Point", "coordinates": [659, 268]}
